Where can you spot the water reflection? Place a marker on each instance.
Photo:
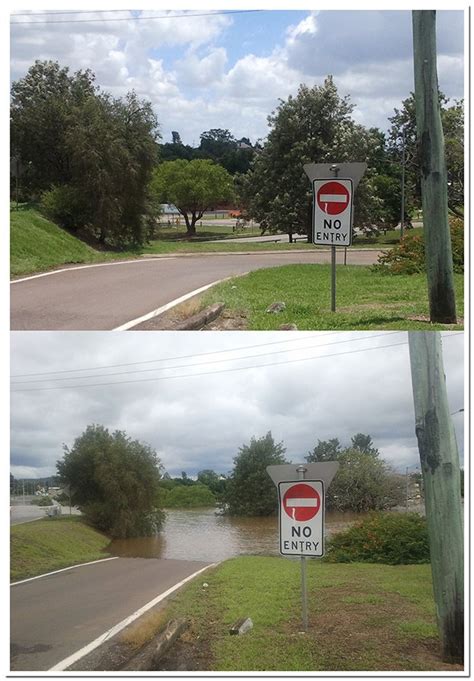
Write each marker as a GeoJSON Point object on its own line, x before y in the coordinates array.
{"type": "Point", "coordinates": [201, 534]}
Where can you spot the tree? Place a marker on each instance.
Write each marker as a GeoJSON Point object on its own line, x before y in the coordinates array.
{"type": "Point", "coordinates": [41, 105]}
{"type": "Point", "coordinates": [176, 137]}
{"type": "Point", "coordinates": [314, 126]}
{"type": "Point", "coordinates": [89, 155]}
{"type": "Point", "coordinates": [403, 130]}
{"type": "Point", "coordinates": [363, 483]}
{"type": "Point", "coordinates": [193, 187]}
{"type": "Point", "coordinates": [212, 480]}
{"type": "Point", "coordinates": [325, 450]}
{"type": "Point", "coordinates": [363, 443]}
{"type": "Point", "coordinates": [250, 490]}
{"type": "Point", "coordinates": [114, 481]}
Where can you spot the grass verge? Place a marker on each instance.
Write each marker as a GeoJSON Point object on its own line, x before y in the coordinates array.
{"type": "Point", "coordinates": [361, 618]}
{"type": "Point", "coordinates": [51, 544]}
{"type": "Point", "coordinates": [365, 299]}
{"type": "Point", "coordinates": [37, 245]}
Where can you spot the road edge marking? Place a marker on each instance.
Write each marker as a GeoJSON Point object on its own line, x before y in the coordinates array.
{"type": "Point", "coordinates": [85, 267]}
{"type": "Point", "coordinates": [173, 303]}
{"type": "Point", "coordinates": [68, 661]}
{"type": "Point", "coordinates": [55, 572]}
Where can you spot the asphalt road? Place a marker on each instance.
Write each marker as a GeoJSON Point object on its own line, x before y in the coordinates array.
{"type": "Point", "coordinates": [20, 513]}
{"type": "Point", "coordinates": [55, 616]}
{"type": "Point", "coordinates": [106, 297]}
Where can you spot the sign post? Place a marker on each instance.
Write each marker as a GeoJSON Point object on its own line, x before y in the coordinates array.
{"type": "Point", "coordinates": [334, 185]}
{"type": "Point", "coordinates": [301, 489]}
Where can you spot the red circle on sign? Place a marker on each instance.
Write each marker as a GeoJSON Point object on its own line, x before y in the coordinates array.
{"type": "Point", "coordinates": [301, 502]}
{"type": "Point", "coordinates": [333, 198]}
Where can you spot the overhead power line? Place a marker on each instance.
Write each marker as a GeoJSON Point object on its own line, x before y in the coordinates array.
{"type": "Point", "coordinates": [219, 371]}
{"type": "Point", "coordinates": [206, 362]}
{"type": "Point", "coordinates": [294, 339]}
{"type": "Point", "coordinates": [131, 18]}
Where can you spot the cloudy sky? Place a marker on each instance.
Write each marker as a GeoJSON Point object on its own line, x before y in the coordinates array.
{"type": "Point", "coordinates": [228, 70]}
{"type": "Point", "coordinates": [360, 383]}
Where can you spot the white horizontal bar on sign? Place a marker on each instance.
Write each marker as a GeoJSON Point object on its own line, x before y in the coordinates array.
{"type": "Point", "coordinates": [309, 502]}
{"type": "Point", "coordinates": [332, 198]}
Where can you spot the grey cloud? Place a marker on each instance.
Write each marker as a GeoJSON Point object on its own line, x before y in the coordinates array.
{"type": "Point", "coordinates": [345, 38]}
{"type": "Point", "coordinates": [200, 422]}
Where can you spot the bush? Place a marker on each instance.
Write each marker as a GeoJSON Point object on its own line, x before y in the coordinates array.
{"type": "Point", "coordinates": [64, 205]}
{"type": "Point", "coordinates": [408, 256]}
{"type": "Point", "coordinates": [390, 538]}
{"type": "Point", "coordinates": [42, 501]}
{"type": "Point", "coordinates": [181, 496]}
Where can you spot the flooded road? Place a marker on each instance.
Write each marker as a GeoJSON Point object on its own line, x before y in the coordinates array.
{"type": "Point", "coordinates": [201, 534]}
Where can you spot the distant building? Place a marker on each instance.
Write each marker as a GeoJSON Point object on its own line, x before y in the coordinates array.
{"type": "Point", "coordinates": [169, 210]}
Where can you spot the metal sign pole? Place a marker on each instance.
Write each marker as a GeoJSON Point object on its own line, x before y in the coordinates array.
{"type": "Point", "coordinates": [301, 470]}
{"type": "Point", "coordinates": [335, 170]}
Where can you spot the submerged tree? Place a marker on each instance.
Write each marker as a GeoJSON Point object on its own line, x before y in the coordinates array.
{"type": "Point", "coordinates": [250, 490]}
{"type": "Point", "coordinates": [114, 481]}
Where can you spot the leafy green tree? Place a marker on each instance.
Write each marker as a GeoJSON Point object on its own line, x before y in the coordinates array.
{"type": "Point", "coordinates": [193, 187]}
{"type": "Point", "coordinates": [211, 479]}
{"type": "Point", "coordinates": [41, 106]}
{"type": "Point", "coordinates": [314, 126]}
{"type": "Point", "coordinates": [325, 450]}
{"type": "Point", "coordinates": [364, 444]}
{"type": "Point", "coordinates": [364, 482]}
{"type": "Point", "coordinates": [114, 481]}
{"type": "Point", "coordinates": [403, 131]}
{"type": "Point", "coordinates": [89, 154]}
{"type": "Point", "coordinates": [250, 490]}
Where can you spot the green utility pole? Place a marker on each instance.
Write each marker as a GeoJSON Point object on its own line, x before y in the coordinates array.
{"type": "Point", "coordinates": [441, 480]}
{"type": "Point", "coordinates": [434, 182]}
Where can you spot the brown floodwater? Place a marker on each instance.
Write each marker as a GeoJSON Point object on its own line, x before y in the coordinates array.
{"type": "Point", "coordinates": [202, 534]}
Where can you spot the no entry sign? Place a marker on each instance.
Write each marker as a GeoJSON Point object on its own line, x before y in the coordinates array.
{"type": "Point", "coordinates": [332, 212]}
{"type": "Point", "coordinates": [301, 518]}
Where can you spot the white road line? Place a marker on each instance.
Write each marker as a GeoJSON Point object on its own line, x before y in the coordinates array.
{"type": "Point", "coordinates": [71, 567]}
{"type": "Point", "coordinates": [68, 661]}
{"type": "Point", "coordinates": [173, 303]}
{"type": "Point", "coordinates": [85, 267]}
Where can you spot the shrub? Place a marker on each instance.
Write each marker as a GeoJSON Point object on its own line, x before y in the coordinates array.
{"type": "Point", "coordinates": [64, 205]}
{"type": "Point", "coordinates": [390, 538]}
{"type": "Point", "coordinates": [181, 496]}
{"type": "Point", "coordinates": [42, 501]}
{"type": "Point", "coordinates": [408, 256]}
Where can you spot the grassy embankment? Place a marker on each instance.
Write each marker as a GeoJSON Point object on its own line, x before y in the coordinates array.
{"type": "Point", "coordinates": [46, 545]}
{"type": "Point", "coordinates": [365, 299]}
{"type": "Point", "coordinates": [37, 244]}
{"type": "Point", "coordinates": [361, 617]}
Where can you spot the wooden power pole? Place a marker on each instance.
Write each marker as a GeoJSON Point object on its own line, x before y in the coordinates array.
{"type": "Point", "coordinates": [434, 182]}
{"type": "Point", "coordinates": [442, 484]}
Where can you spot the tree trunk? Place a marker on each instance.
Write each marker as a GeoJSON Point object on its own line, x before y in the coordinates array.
{"type": "Point", "coordinates": [442, 487]}
{"type": "Point", "coordinates": [434, 183]}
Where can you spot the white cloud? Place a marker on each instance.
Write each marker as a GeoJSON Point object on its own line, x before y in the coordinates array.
{"type": "Point", "coordinates": [186, 69]}
{"type": "Point", "coordinates": [195, 72]}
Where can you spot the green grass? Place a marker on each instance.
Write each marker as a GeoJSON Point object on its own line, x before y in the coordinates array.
{"type": "Point", "coordinates": [45, 545]}
{"type": "Point", "coordinates": [365, 299]}
{"type": "Point", "coordinates": [362, 617]}
{"type": "Point", "coordinates": [37, 244]}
